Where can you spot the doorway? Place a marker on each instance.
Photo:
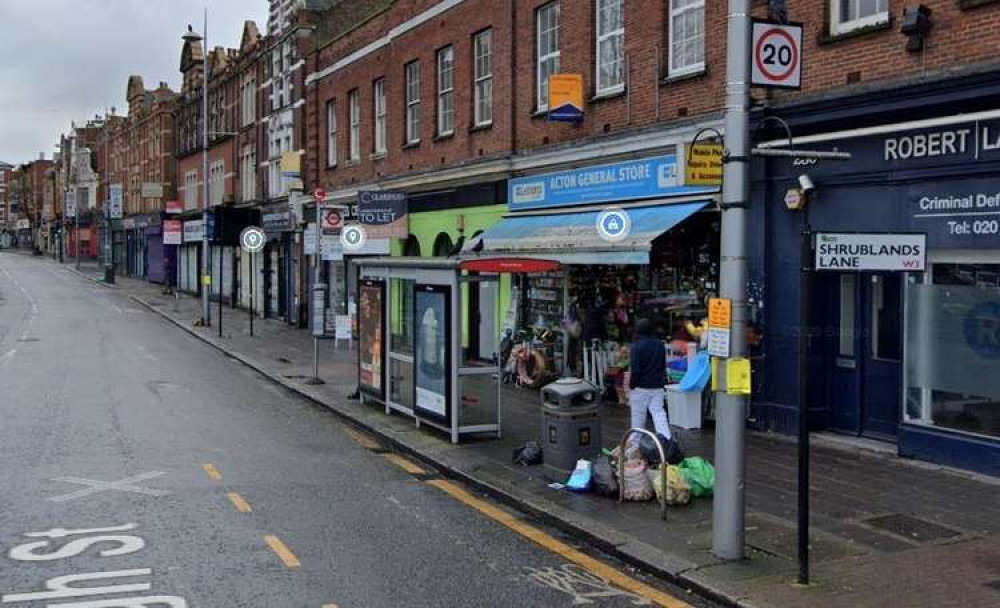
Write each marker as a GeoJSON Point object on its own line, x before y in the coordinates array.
{"type": "Point", "coordinates": [859, 322]}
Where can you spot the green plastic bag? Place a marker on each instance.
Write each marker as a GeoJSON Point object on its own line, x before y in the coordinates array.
{"type": "Point", "coordinates": [699, 474]}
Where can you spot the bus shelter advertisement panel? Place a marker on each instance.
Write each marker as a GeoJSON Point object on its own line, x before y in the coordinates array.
{"type": "Point", "coordinates": [372, 345]}
{"type": "Point", "coordinates": [433, 333]}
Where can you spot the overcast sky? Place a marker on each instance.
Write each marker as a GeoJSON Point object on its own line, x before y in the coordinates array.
{"type": "Point", "coordinates": [65, 60]}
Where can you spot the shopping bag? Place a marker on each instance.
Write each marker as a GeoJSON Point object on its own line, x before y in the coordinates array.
{"type": "Point", "coordinates": [699, 475]}
{"type": "Point", "coordinates": [603, 477]}
{"type": "Point", "coordinates": [636, 483]}
{"type": "Point", "coordinates": [579, 479]}
{"type": "Point", "coordinates": [671, 449]}
{"type": "Point", "coordinates": [678, 492]}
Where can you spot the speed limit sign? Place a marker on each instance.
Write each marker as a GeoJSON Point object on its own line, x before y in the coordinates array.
{"type": "Point", "coordinates": [776, 55]}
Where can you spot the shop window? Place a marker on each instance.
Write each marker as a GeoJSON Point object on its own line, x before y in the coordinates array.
{"type": "Point", "coordinates": [952, 349]}
{"type": "Point", "coordinates": [442, 245]}
{"type": "Point", "coordinates": [847, 15]}
{"type": "Point", "coordinates": [887, 321]}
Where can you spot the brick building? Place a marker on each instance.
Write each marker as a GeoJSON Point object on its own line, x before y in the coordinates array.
{"type": "Point", "coordinates": [234, 177]}
{"type": "Point", "coordinates": [447, 102]}
{"type": "Point", "coordinates": [6, 170]}
{"type": "Point", "coordinates": [910, 91]}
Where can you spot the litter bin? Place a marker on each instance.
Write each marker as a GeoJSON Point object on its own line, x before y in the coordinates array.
{"type": "Point", "coordinates": [571, 425]}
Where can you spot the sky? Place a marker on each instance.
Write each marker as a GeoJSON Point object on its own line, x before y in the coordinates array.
{"type": "Point", "coordinates": [66, 60]}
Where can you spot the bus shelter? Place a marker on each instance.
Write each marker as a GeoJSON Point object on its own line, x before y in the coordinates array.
{"type": "Point", "coordinates": [413, 315]}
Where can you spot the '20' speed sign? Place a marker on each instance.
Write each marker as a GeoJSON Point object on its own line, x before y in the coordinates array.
{"type": "Point", "coordinates": [776, 55]}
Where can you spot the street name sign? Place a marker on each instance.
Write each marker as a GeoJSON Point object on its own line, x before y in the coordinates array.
{"type": "Point", "coordinates": [776, 55]}
{"type": "Point", "coordinates": [871, 252]}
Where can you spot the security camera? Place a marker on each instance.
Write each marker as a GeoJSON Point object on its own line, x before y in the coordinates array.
{"type": "Point", "coordinates": [806, 183]}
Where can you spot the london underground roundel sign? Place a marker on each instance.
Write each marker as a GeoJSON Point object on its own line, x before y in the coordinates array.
{"type": "Point", "coordinates": [776, 55]}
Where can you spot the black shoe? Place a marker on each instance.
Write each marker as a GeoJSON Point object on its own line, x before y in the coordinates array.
{"type": "Point", "coordinates": [355, 395]}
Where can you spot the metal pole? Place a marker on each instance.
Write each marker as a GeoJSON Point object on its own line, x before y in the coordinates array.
{"type": "Point", "coordinates": [76, 244]}
{"type": "Point", "coordinates": [730, 435]}
{"type": "Point", "coordinates": [315, 379]}
{"type": "Point", "coordinates": [251, 293]}
{"type": "Point", "coordinates": [206, 269]}
{"type": "Point", "coordinates": [805, 338]}
{"type": "Point", "coordinates": [222, 259]}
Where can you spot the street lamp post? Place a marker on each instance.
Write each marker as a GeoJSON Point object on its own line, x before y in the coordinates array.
{"type": "Point", "coordinates": [192, 36]}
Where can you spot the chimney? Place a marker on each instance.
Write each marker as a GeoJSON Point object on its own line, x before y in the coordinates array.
{"type": "Point", "coordinates": [41, 156]}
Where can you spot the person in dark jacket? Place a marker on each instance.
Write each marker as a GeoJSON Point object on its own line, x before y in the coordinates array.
{"type": "Point", "coordinates": [648, 367]}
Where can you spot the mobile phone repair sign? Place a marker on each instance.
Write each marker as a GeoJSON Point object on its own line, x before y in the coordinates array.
{"type": "Point", "coordinates": [871, 252]}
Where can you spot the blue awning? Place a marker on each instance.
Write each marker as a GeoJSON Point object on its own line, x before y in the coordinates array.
{"type": "Point", "coordinates": [572, 238]}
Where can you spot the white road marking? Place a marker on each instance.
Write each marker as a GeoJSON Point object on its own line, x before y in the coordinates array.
{"type": "Point", "coordinates": [122, 485]}
{"type": "Point", "coordinates": [32, 310]}
{"type": "Point", "coordinates": [7, 357]}
{"type": "Point", "coordinates": [63, 532]}
{"type": "Point", "coordinates": [59, 587]}
{"type": "Point", "coordinates": [583, 586]}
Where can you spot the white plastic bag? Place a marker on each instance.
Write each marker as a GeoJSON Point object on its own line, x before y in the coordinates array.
{"type": "Point", "coordinates": [636, 483]}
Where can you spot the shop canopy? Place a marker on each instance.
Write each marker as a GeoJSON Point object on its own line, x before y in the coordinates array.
{"type": "Point", "coordinates": [572, 238]}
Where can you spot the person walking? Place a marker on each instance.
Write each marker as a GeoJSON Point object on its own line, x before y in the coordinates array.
{"type": "Point", "coordinates": [648, 367]}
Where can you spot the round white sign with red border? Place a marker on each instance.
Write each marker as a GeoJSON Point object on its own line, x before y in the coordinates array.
{"type": "Point", "coordinates": [776, 55]}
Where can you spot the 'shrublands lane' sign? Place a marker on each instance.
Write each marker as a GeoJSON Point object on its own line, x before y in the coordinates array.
{"type": "Point", "coordinates": [871, 252]}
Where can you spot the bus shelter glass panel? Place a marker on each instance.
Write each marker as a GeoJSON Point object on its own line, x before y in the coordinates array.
{"type": "Point", "coordinates": [402, 336]}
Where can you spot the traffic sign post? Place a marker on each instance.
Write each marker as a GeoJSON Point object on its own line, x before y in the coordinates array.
{"type": "Point", "coordinates": [776, 54]}
{"type": "Point", "coordinates": [326, 219]}
{"type": "Point", "coordinates": [252, 240]}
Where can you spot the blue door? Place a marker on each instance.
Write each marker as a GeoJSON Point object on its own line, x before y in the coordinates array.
{"type": "Point", "coordinates": [859, 320]}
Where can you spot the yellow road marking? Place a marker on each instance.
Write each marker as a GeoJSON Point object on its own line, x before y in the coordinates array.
{"type": "Point", "coordinates": [404, 463]}
{"type": "Point", "coordinates": [558, 547]}
{"type": "Point", "coordinates": [211, 471]}
{"type": "Point", "coordinates": [239, 502]}
{"type": "Point", "coordinates": [366, 441]}
{"type": "Point", "coordinates": [282, 551]}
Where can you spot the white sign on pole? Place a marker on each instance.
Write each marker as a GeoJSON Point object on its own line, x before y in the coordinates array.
{"type": "Point", "coordinates": [309, 239]}
{"type": "Point", "coordinates": [871, 252]}
{"type": "Point", "coordinates": [71, 205]}
{"type": "Point", "coordinates": [719, 341]}
{"type": "Point", "coordinates": [115, 202]}
{"type": "Point", "coordinates": [776, 55]}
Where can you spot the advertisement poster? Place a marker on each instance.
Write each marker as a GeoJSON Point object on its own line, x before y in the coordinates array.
{"type": "Point", "coordinates": [173, 232]}
{"type": "Point", "coordinates": [432, 357]}
{"type": "Point", "coordinates": [384, 214]}
{"type": "Point", "coordinates": [371, 350]}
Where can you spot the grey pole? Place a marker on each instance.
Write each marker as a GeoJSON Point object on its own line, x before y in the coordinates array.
{"type": "Point", "coordinates": [317, 286]}
{"type": "Point", "coordinates": [730, 433]}
{"type": "Point", "coordinates": [206, 269]}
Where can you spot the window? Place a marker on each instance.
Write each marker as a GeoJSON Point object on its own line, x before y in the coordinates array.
{"type": "Point", "coordinates": [687, 36]}
{"type": "Point", "coordinates": [413, 102]}
{"type": "Point", "coordinates": [248, 173]}
{"type": "Point", "coordinates": [216, 183]}
{"type": "Point", "coordinates": [354, 137]}
{"type": "Point", "coordinates": [847, 15]}
{"type": "Point", "coordinates": [190, 190]}
{"type": "Point", "coordinates": [446, 91]}
{"type": "Point", "coordinates": [331, 133]}
{"type": "Point", "coordinates": [547, 20]}
{"type": "Point", "coordinates": [248, 100]}
{"type": "Point", "coordinates": [610, 46]}
{"type": "Point", "coordinates": [483, 95]}
{"type": "Point", "coordinates": [380, 116]}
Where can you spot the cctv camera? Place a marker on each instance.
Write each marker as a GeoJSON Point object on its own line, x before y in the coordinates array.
{"type": "Point", "coordinates": [806, 183]}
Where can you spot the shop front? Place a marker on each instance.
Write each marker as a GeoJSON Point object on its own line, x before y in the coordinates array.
{"type": "Point", "coordinates": [902, 356]}
{"type": "Point", "coordinates": [631, 241]}
{"type": "Point", "coordinates": [189, 257]}
{"type": "Point", "coordinates": [135, 254]}
{"type": "Point", "coordinates": [281, 265]}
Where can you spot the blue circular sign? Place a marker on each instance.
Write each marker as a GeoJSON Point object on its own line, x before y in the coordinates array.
{"type": "Point", "coordinates": [614, 224]}
{"type": "Point", "coordinates": [982, 329]}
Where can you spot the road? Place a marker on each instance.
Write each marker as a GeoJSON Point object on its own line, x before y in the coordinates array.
{"type": "Point", "coordinates": [173, 476]}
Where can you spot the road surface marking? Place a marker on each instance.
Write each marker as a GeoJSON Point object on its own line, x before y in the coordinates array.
{"type": "Point", "coordinates": [330, 606]}
{"type": "Point", "coordinates": [122, 485]}
{"type": "Point", "coordinates": [211, 471]}
{"type": "Point", "coordinates": [241, 505]}
{"type": "Point", "coordinates": [365, 441]}
{"type": "Point", "coordinates": [558, 547]}
{"type": "Point", "coordinates": [405, 464]}
{"type": "Point", "coordinates": [7, 358]}
{"type": "Point", "coordinates": [282, 551]}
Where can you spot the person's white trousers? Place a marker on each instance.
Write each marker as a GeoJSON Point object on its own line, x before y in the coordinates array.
{"type": "Point", "coordinates": [641, 400]}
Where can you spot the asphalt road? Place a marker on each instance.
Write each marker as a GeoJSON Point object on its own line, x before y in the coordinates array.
{"type": "Point", "coordinates": [140, 463]}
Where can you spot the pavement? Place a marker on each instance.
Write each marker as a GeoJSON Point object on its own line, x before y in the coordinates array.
{"type": "Point", "coordinates": [885, 531]}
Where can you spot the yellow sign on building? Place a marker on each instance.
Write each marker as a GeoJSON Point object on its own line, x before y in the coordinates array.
{"type": "Point", "coordinates": [566, 97]}
{"type": "Point", "coordinates": [291, 163]}
{"type": "Point", "coordinates": [703, 164]}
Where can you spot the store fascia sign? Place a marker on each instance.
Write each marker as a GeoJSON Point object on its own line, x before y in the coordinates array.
{"type": "Point", "coordinates": [631, 180]}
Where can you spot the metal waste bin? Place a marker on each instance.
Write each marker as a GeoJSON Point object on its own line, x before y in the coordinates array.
{"type": "Point", "coordinates": [571, 425]}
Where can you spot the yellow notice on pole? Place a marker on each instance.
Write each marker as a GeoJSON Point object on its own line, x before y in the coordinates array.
{"type": "Point", "coordinates": [738, 376]}
{"type": "Point", "coordinates": [716, 374]}
{"type": "Point", "coordinates": [703, 164]}
{"type": "Point", "coordinates": [206, 279]}
{"type": "Point", "coordinates": [720, 312]}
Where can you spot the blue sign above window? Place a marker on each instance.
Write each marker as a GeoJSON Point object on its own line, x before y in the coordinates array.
{"type": "Point", "coordinates": [658, 176]}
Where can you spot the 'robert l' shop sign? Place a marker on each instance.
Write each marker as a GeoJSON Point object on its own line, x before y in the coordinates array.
{"type": "Point", "coordinates": [871, 252]}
